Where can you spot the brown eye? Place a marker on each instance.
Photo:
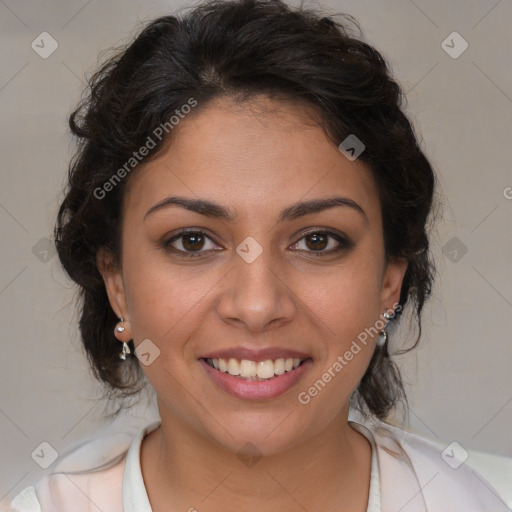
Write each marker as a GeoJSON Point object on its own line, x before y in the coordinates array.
{"type": "Point", "coordinates": [323, 243]}
{"type": "Point", "coordinates": [317, 241]}
{"type": "Point", "coordinates": [193, 241]}
{"type": "Point", "coordinates": [190, 243]}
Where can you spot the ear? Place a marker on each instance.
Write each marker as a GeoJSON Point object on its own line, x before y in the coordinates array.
{"type": "Point", "coordinates": [112, 277]}
{"type": "Point", "coordinates": [392, 282]}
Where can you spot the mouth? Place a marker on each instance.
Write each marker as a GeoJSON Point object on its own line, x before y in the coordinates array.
{"type": "Point", "coordinates": [255, 379]}
{"type": "Point", "coordinates": [246, 369]}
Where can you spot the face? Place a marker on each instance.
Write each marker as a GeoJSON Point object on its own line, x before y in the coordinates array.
{"type": "Point", "coordinates": [253, 276]}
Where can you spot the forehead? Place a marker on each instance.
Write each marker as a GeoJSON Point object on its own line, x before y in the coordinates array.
{"type": "Point", "coordinates": [250, 156]}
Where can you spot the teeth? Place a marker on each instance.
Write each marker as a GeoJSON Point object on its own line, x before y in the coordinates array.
{"type": "Point", "coordinates": [265, 369]}
{"type": "Point", "coordinates": [255, 370]}
{"type": "Point", "coordinates": [248, 368]}
{"type": "Point", "coordinates": [222, 364]}
{"type": "Point", "coordinates": [279, 366]}
{"type": "Point", "coordinates": [233, 367]}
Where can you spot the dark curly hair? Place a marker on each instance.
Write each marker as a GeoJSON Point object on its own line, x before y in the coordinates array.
{"type": "Point", "coordinates": [240, 49]}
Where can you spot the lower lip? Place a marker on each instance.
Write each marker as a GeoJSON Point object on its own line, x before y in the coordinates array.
{"type": "Point", "coordinates": [256, 389]}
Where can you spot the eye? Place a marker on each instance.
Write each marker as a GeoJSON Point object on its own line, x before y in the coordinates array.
{"type": "Point", "coordinates": [194, 243]}
{"type": "Point", "coordinates": [322, 242]}
{"type": "Point", "coordinates": [187, 243]}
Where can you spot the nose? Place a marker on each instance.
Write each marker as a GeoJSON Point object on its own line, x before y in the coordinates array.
{"type": "Point", "coordinates": [256, 295]}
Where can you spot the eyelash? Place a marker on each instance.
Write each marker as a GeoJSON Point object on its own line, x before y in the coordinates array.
{"type": "Point", "coordinates": [344, 243]}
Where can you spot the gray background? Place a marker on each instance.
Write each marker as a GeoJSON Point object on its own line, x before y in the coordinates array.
{"type": "Point", "coordinates": [459, 380]}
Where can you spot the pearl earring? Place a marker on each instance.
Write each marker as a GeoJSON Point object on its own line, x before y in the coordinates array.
{"type": "Point", "coordinates": [383, 335]}
{"type": "Point", "coordinates": [126, 349]}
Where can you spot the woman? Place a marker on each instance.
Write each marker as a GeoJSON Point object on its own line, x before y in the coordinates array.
{"type": "Point", "coordinates": [246, 217]}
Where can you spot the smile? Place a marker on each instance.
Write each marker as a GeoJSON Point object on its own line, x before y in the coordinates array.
{"type": "Point", "coordinates": [249, 379]}
{"type": "Point", "coordinates": [255, 370]}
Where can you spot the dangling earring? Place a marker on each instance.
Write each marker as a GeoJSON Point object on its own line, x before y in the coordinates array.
{"type": "Point", "coordinates": [126, 349]}
{"type": "Point", "coordinates": [383, 334]}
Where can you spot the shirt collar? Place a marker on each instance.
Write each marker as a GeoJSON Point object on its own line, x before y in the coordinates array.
{"type": "Point", "coordinates": [135, 497]}
{"type": "Point", "coordinates": [374, 501]}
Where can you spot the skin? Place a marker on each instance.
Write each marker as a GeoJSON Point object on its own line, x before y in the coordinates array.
{"type": "Point", "coordinates": [256, 162]}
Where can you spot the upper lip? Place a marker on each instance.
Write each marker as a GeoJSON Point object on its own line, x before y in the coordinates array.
{"type": "Point", "coordinates": [250, 354]}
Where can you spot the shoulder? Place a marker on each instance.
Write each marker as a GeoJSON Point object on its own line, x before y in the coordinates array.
{"type": "Point", "coordinates": [83, 492]}
{"type": "Point", "coordinates": [89, 477]}
{"type": "Point", "coordinates": [25, 501]}
{"type": "Point", "coordinates": [447, 473]}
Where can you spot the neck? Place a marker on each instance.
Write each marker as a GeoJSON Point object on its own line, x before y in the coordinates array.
{"type": "Point", "coordinates": [183, 469]}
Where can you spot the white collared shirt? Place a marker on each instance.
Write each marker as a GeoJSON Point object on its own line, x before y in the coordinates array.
{"type": "Point", "coordinates": [407, 474]}
{"type": "Point", "coordinates": [136, 499]}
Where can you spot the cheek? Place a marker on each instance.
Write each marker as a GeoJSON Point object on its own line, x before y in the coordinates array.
{"type": "Point", "coordinates": [346, 313]}
{"type": "Point", "coordinates": [346, 301]}
{"type": "Point", "coordinates": [166, 303]}
{"type": "Point", "coordinates": [346, 305]}
{"type": "Point", "coordinates": [156, 298]}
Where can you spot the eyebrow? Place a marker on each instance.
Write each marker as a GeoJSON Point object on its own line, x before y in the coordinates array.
{"type": "Point", "coordinates": [296, 210]}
